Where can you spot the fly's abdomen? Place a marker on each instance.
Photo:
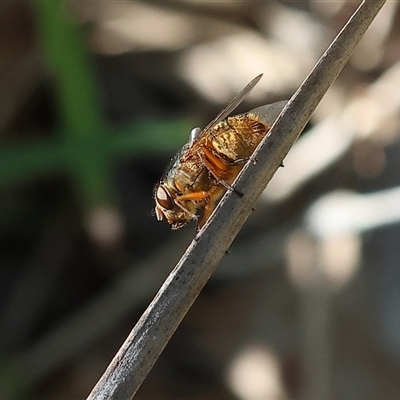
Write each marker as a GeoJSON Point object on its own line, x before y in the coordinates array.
{"type": "Point", "coordinates": [237, 137]}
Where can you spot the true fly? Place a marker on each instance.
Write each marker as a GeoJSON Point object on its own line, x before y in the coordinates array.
{"type": "Point", "coordinates": [209, 162]}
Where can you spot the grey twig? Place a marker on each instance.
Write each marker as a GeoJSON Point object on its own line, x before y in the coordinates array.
{"type": "Point", "coordinates": [143, 346]}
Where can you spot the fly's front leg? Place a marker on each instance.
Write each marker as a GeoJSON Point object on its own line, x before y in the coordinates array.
{"type": "Point", "coordinates": [208, 209]}
{"type": "Point", "coordinates": [194, 196]}
{"type": "Point", "coordinates": [200, 197]}
{"type": "Point", "coordinates": [215, 196]}
{"type": "Point", "coordinates": [197, 197]}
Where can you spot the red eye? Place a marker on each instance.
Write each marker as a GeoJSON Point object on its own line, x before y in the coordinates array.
{"type": "Point", "coordinates": [163, 198]}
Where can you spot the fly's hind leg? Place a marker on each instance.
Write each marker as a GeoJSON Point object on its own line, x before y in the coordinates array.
{"type": "Point", "coordinates": [217, 168]}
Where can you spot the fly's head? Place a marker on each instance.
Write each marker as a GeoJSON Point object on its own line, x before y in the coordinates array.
{"type": "Point", "coordinates": [168, 205]}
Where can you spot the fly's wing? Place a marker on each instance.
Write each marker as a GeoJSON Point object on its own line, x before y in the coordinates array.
{"type": "Point", "coordinates": [231, 106]}
{"type": "Point", "coordinates": [269, 113]}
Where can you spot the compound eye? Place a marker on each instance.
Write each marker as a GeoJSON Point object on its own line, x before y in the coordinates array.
{"type": "Point", "coordinates": [163, 198]}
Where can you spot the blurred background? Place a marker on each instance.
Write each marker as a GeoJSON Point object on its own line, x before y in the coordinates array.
{"type": "Point", "coordinates": [96, 97]}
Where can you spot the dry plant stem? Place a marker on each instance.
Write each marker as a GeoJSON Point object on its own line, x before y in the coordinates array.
{"type": "Point", "coordinates": [141, 349]}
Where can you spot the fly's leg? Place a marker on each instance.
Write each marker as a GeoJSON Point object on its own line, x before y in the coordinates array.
{"type": "Point", "coordinates": [202, 196]}
{"type": "Point", "coordinates": [210, 205]}
{"type": "Point", "coordinates": [208, 209]}
{"type": "Point", "coordinates": [217, 167]}
{"type": "Point", "coordinates": [240, 161]}
{"type": "Point", "coordinates": [194, 196]}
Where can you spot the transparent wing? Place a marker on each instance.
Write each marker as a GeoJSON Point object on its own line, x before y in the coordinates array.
{"type": "Point", "coordinates": [269, 113]}
{"type": "Point", "coordinates": [232, 104]}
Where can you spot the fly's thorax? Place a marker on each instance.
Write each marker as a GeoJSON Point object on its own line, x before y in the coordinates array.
{"type": "Point", "coordinates": [189, 175]}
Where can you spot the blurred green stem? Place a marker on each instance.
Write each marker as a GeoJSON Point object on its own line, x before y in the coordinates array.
{"type": "Point", "coordinates": [84, 145]}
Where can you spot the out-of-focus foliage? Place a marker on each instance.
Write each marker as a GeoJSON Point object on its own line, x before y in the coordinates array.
{"type": "Point", "coordinates": [306, 304]}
